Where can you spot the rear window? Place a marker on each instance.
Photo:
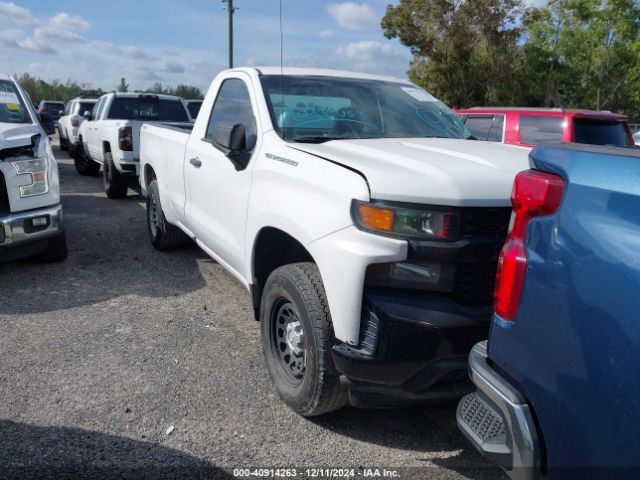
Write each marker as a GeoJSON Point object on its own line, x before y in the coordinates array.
{"type": "Point", "coordinates": [485, 127]}
{"type": "Point", "coordinates": [148, 108]}
{"type": "Point", "coordinates": [194, 108]}
{"type": "Point", "coordinates": [85, 107]}
{"type": "Point", "coordinates": [53, 107]}
{"type": "Point", "coordinates": [536, 129]}
{"type": "Point", "coordinates": [600, 132]}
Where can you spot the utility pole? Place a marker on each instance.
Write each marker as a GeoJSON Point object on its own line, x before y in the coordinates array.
{"type": "Point", "coordinates": [230, 10]}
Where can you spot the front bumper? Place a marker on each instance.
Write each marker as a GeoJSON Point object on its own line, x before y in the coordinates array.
{"type": "Point", "coordinates": [17, 231]}
{"type": "Point", "coordinates": [497, 420]}
{"type": "Point", "coordinates": [412, 350]}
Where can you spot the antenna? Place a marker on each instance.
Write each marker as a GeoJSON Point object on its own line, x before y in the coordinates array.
{"type": "Point", "coordinates": [282, 114]}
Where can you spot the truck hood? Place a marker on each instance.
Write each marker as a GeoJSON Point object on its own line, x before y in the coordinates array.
{"type": "Point", "coordinates": [437, 171]}
{"type": "Point", "coordinates": [14, 135]}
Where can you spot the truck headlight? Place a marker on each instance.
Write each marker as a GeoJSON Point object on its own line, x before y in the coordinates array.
{"type": "Point", "coordinates": [37, 168]}
{"type": "Point", "coordinates": [428, 223]}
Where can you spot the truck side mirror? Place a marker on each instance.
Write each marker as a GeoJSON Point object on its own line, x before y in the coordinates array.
{"type": "Point", "coordinates": [87, 114]}
{"type": "Point", "coordinates": [231, 139]}
{"type": "Point", "coordinates": [61, 113]}
{"type": "Point", "coordinates": [47, 123]}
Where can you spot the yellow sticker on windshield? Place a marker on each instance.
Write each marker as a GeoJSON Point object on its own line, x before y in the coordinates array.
{"type": "Point", "coordinates": [13, 106]}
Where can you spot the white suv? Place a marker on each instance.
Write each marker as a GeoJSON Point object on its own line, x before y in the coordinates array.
{"type": "Point", "coordinates": [69, 123]}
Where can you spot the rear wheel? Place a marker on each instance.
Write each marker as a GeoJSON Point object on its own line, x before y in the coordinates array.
{"type": "Point", "coordinates": [115, 184]}
{"type": "Point", "coordinates": [162, 234]}
{"type": "Point", "coordinates": [64, 142]}
{"type": "Point", "coordinates": [297, 338]}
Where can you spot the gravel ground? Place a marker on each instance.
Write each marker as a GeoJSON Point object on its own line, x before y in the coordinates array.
{"type": "Point", "coordinates": [102, 355]}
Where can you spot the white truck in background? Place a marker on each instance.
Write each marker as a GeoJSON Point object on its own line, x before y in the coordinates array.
{"type": "Point", "coordinates": [70, 121]}
{"type": "Point", "coordinates": [359, 214]}
{"type": "Point", "coordinates": [30, 210]}
{"type": "Point", "coordinates": [111, 135]}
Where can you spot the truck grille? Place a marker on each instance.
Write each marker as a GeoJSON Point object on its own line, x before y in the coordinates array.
{"type": "Point", "coordinates": [484, 221]}
{"type": "Point", "coordinates": [4, 196]}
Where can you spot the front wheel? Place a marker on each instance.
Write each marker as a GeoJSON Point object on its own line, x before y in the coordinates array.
{"type": "Point", "coordinates": [115, 184]}
{"type": "Point", "coordinates": [84, 165]}
{"type": "Point", "coordinates": [297, 339]}
{"type": "Point", "coordinates": [56, 250]}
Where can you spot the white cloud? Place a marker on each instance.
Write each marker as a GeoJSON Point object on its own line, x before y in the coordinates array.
{"type": "Point", "coordinates": [373, 57]}
{"type": "Point", "coordinates": [33, 45]}
{"type": "Point", "coordinates": [325, 33]}
{"type": "Point", "coordinates": [46, 32]}
{"type": "Point", "coordinates": [354, 16]}
{"type": "Point", "coordinates": [15, 15]}
{"type": "Point", "coordinates": [65, 21]}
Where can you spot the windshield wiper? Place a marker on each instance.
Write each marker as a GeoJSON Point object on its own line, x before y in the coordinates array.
{"type": "Point", "coordinates": [317, 139]}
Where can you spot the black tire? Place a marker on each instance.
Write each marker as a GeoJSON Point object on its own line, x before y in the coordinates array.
{"type": "Point", "coordinates": [115, 184]}
{"type": "Point", "coordinates": [291, 291]}
{"type": "Point", "coordinates": [84, 165]}
{"type": "Point", "coordinates": [56, 250]}
{"type": "Point", "coordinates": [162, 234]}
{"type": "Point", "coordinates": [64, 142]}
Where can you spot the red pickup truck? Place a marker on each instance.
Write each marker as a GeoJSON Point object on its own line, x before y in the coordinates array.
{"type": "Point", "coordinates": [529, 126]}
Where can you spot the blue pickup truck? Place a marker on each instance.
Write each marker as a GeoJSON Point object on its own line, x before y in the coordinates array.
{"type": "Point", "coordinates": [558, 382]}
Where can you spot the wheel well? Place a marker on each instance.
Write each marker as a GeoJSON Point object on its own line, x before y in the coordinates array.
{"type": "Point", "coordinates": [273, 248]}
{"type": "Point", "coordinates": [149, 175]}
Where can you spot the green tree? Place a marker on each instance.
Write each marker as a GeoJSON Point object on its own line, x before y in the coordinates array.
{"type": "Point", "coordinates": [463, 50]}
{"type": "Point", "coordinates": [584, 53]}
{"type": "Point", "coordinates": [123, 86]}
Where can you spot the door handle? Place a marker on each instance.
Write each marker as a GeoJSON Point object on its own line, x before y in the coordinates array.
{"type": "Point", "coordinates": [195, 162]}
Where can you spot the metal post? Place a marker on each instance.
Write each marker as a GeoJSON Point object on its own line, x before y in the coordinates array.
{"type": "Point", "coordinates": [230, 11]}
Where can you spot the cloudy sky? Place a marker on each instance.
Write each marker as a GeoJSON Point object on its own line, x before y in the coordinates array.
{"type": "Point", "coordinates": [185, 41]}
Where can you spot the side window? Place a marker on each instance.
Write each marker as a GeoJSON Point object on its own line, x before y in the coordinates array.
{"type": "Point", "coordinates": [536, 129]}
{"type": "Point", "coordinates": [233, 106]}
{"type": "Point", "coordinates": [479, 125]}
{"type": "Point", "coordinates": [497, 129]}
{"type": "Point", "coordinates": [69, 108]}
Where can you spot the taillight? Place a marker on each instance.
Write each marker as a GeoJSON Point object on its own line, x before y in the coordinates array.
{"type": "Point", "coordinates": [75, 122]}
{"type": "Point", "coordinates": [125, 139]}
{"type": "Point", "coordinates": [535, 194]}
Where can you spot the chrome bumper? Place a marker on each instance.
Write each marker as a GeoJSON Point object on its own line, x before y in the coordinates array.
{"type": "Point", "coordinates": [18, 228]}
{"type": "Point", "coordinates": [497, 420]}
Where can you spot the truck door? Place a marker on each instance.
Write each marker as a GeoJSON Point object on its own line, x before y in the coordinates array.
{"type": "Point", "coordinates": [218, 189]}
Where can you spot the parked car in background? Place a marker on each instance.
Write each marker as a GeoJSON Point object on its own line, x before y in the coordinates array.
{"type": "Point", "coordinates": [69, 123]}
{"type": "Point", "coordinates": [636, 138]}
{"type": "Point", "coordinates": [194, 108]}
{"type": "Point", "coordinates": [30, 210]}
{"type": "Point", "coordinates": [529, 126]}
{"type": "Point", "coordinates": [354, 209]}
{"type": "Point", "coordinates": [51, 108]}
{"type": "Point", "coordinates": [111, 135]}
{"type": "Point", "coordinates": [557, 382]}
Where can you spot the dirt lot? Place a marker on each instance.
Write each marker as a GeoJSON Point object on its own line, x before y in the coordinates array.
{"type": "Point", "coordinates": [102, 355]}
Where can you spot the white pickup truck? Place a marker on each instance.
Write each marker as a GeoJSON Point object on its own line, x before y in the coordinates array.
{"type": "Point", "coordinates": [70, 121]}
{"type": "Point", "coordinates": [359, 215]}
{"type": "Point", "coordinates": [111, 135]}
{"type": "Point", "coordinates": [30, 210]}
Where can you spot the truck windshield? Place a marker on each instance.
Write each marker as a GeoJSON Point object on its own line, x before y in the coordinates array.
{"type": "Point", "coordinates": [12, 108]}
{"type": "Point", "coordinates": [317, 109]}
{"type": "Point", "coordinates": [148, 107]}
{"type": "Point", "coordinates": [600, 132]}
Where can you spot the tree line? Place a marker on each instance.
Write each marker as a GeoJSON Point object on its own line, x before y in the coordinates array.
{"type": "Point", "coordinates": [568, 53]}
{"type": "Point", "coordinates": [40, 89]}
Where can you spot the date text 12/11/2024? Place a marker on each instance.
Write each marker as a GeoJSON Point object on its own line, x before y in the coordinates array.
{"type": "Point", "coordinates": [315, 473]}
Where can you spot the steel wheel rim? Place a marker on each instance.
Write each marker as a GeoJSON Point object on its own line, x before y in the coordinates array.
{"type": "Point", "coordinates": [153, 216]}
{"type": "Point", "coordinates": [288, 341]}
